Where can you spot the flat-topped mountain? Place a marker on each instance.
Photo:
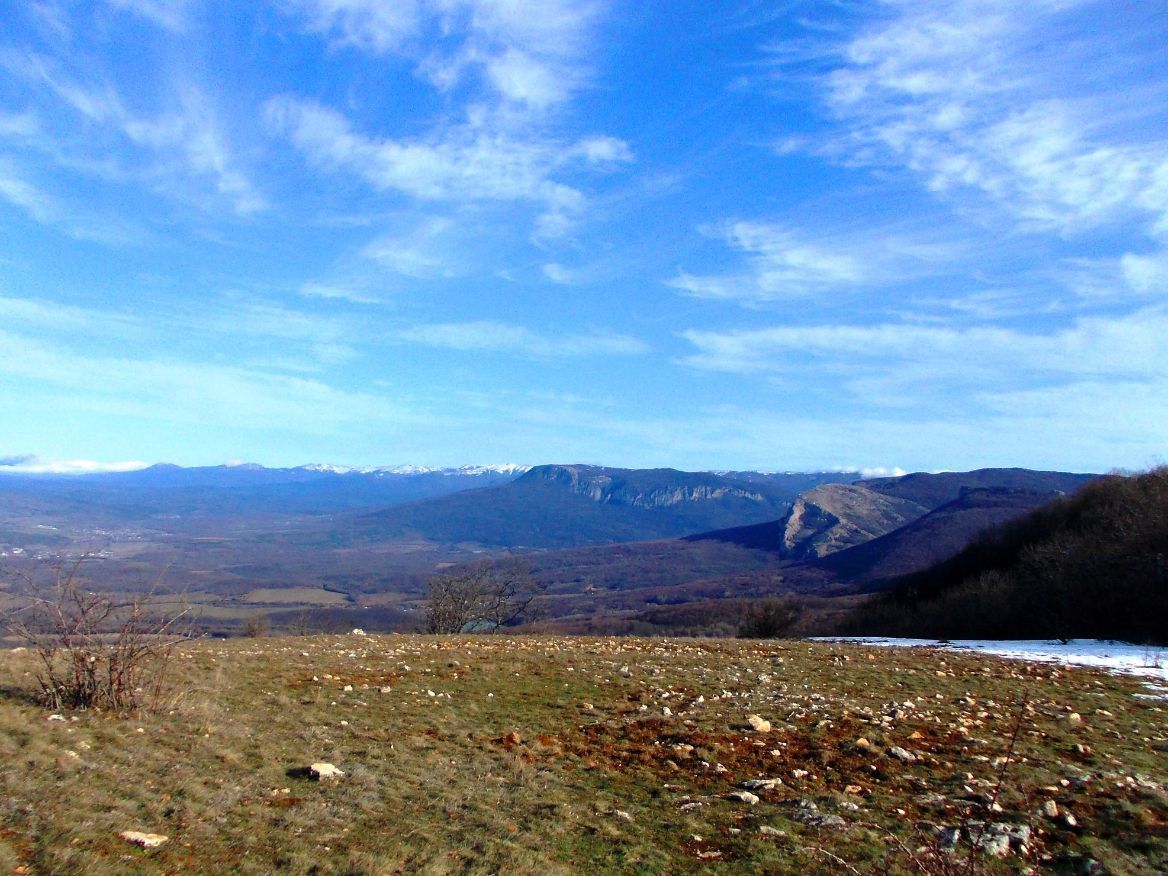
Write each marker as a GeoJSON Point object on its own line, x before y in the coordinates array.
{"type": "Point", "coordinates": [557, 506]}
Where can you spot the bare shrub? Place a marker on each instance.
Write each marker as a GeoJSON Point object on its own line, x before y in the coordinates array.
{"type": "Point", "coordinates": [479, 598]}
{"type": "Point", "coordinates": [256, 627]}
{"type": "Point", "coordinates": [769, 618]}
{"type": "Point", "coordinates": [96, 651]}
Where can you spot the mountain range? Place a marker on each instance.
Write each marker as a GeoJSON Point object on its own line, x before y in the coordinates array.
{"type": "Point", "coordinates": [603, 541]}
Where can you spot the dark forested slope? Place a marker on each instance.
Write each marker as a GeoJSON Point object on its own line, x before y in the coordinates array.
{"type": "Point", "coordinates": [1091, 565]}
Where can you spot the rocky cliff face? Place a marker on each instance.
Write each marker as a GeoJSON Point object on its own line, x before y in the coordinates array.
{"type": "Point", "coordinates": [656, 488]}
{"type": "Point", "coordinates": [837, 516]}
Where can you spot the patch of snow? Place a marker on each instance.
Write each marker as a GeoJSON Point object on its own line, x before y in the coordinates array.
{"type": "Point", "coordinates": [1148, 661]}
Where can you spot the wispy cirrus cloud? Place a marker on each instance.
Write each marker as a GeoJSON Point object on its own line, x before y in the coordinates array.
{"type": "Point", "coordinates": [784, 262]}
{"type": "Point", "coordinates": [44, 207]}
{"type": "Point", "coordinates": [464, 163]}
{"type": "Point", "coordinates": [526, 53]}
{"type": "Point", "coordinates": [196, 392]}
{"type": "Point", "coordinates": [499, 337]}
{"type": "Point", "coordinates": [987, 97]}
{"type": "Point", "coordinates": [173, 15]}
{"type": "Point", "coordinates": [337, 291]}
{"type": "Point", "coordinates": [181, 152]}
{"type": "Point", "coordinates": [910, 356]}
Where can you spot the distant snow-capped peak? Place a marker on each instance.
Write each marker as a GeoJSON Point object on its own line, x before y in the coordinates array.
{"type": "Point", "coordinates": [506, 468]}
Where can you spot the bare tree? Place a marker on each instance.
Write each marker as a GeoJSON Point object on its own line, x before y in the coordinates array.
{"type": "Point", "coordinates": [94, 650]}
{"type": "Point", "coordinates": [479, 598]}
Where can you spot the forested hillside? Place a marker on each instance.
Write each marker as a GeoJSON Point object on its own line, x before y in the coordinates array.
{"type": "Point", "coordinates": [1092, 565]}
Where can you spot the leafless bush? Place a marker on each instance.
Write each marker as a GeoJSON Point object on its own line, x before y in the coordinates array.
{"type": "Point", "coordinates": [256, 627]}
{"type": "Point", "coordinates": [769, 618]}
{"type": "Point", "coordinates": [479, 598]}
{"type": "Point", "coordinates": [95, 651]}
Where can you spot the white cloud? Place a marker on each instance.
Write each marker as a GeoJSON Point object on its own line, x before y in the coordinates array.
{"type": "Point", "coordinates": [45, 314]}
{"type": "Point", "coordinates": [365, 24]}
{"type": "Point", "coordinates": [603, 150]}
{"type": "Point", "coordinates": [17, 190]}
{"type": "Point", "coordinates": [433, 248]}
{"type": "Point", "coordinates": [520, 78]}
{"type": "Point", "coordinates": [336, 291]}
{"type": "Point", "coordinates": [47, 209]}
{"type": "Point", "coordinates": [896, 363]}
{"type": "Point", "coordinates": [463, 163]}
{"type": "Point", "coordinates": [198, 393]}
{"type": "Point", "coordinates": [990, 97]}
{"type": "Point", "coordinates": [529, 52]}
{"type": "Point", "coordinates": [18, 125]}
{"type": "Point", "coordinates": [36, 465]}
{"type": "Point", "coordinates": [783, 262]}
{"type": "Point", "coordinates": [1146, 273]}
{"type": "Point", "coordinates": [180, 150]}
{"type": "Point", "coordinates": [501, 337]}
{"type": "Point", "coordinates": [168, 14]}
{"type": "Point", "coordinates": [557, 273]}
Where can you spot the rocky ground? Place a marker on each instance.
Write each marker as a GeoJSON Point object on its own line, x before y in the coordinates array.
{"type": "Point", "coordinates": [382, 754]}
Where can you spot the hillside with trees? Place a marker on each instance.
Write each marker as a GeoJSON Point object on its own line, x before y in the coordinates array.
{"type": "Point", "coordinates": [1091, 565]}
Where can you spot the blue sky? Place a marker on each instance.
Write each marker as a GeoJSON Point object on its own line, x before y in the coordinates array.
{"type": "Point", "coordinates": [921, 233]}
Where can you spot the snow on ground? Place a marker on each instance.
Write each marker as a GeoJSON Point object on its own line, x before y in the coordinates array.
{"type": "Point", "coordinates": [1148, 661]}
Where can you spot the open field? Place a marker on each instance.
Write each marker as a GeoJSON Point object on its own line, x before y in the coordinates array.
{"type": "Point", "coordinates": [536, 754]}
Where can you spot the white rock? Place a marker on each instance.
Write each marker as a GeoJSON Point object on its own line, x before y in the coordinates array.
{"type": "Point", "coordinates": [743, 797]}
{"type": "Point", "coordinates": [759, 724]}
{"type": "Point", "coordinates": [764, 784]}
{"type": "Point", "coordinates": [321, 771]}
{"type": "Point", "coordinates": [144, 840]}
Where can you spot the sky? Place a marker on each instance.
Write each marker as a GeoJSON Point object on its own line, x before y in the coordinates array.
{"type": "Point", "coordinates": [918, 234]}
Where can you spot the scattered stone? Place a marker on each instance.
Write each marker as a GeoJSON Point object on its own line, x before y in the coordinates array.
{"type": "Point", "coordinates": [818, 819]}
{"type": "Point", "coordinates": [743, 797]}
{"type": "Point", "coordinates": [1074, 718]}
{"type": "Point", "coordinates": [622, 814]}
{"type": "Point", "coordinates": [359, 632]}
{"type": "Point", "coordinates": [758, 724]}
{"type": "Point", "coordinates": [863, 744]}
{"type": "Point", "coordinates": [767, 830]}
{"type": "Point", "coordinates": [764, 784]}
{"type": "Point", "coordinates": [143, 840]}
{"type": "Point", "coordinates": [994, 845]}
{"type": "Point", "coordinates": [690, 807]}
{"type": "Point", "coordinates": [902, 754]}
{"type": "Point", "coordinates": [322, 771]}
{"type": "Point", "coordinates": [853, 789]}
{"type": "Point", "coordinates": [1050, 809]}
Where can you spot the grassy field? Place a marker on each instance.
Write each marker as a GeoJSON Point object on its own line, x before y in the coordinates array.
{"type": "Point", "coordinates": [552, 755]}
